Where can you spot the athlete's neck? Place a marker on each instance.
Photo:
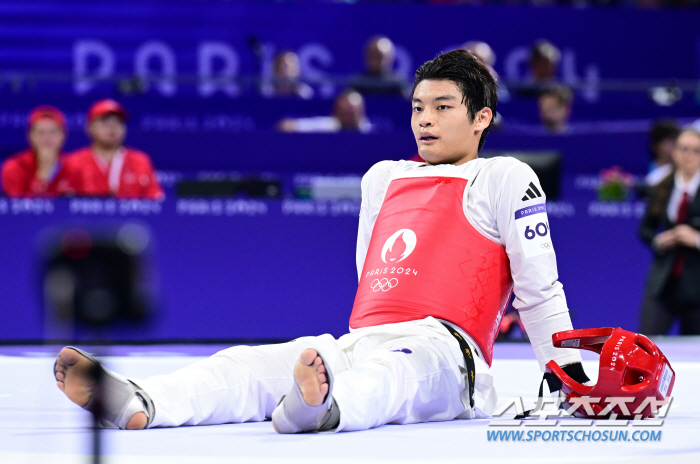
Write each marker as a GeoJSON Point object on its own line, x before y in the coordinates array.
{"type": "Point", "coordinates": [467, 159]}
{"type": "Point", "coordinates": [458, 162]}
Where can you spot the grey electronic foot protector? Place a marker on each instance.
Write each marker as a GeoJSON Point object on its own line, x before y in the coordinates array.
{"type": "Point", "coordinates": [294, 415]}
{"type": "Point", "coordinates": [122, 397]}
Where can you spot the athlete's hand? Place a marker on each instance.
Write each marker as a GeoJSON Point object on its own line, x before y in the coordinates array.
{"type": "Point", "coordinates": [666, 239]}
{"type": "Point", "coordinates": [686, 235]}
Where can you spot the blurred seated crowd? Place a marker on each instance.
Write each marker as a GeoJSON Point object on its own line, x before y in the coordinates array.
{"type": "Point", "coordinates": [105, 168]}
{"type": "Point", "coordinates": [108, 168]}
{"type": "Point", "coordinates": [555, 100]}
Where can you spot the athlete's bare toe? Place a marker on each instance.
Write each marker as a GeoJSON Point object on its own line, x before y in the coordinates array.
{"type": "Point", "coordinates": [308, 357]}
{"type": "Point", "coordinates": [68, 357]}
{"type": "Point", "coordinates": [74, 376]}
{"type": "Point", "coordinates": [309, 374]}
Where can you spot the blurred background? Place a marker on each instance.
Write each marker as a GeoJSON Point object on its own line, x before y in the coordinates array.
{"type": "Point", "coordinates": [259, 119]}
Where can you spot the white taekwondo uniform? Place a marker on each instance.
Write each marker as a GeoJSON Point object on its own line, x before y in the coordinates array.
{"type": "Point", "coordinates": [399, 368]}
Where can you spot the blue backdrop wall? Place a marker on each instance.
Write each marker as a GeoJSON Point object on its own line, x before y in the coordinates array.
{"type": "Point", "coordinates": [253, 269]}
{"type": "Point", "coordinates": [202, 102]}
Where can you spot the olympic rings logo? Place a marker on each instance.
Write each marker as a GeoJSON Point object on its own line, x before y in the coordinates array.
{"type": "Point", "coordinates": [546, 246]}
{"type": "Point", "coordinates": [384, 284]}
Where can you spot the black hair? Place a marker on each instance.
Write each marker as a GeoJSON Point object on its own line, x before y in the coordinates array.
{"type": "Point", "coordinates": [471, 76]}
{"type": "Point", "coordinates": [561, 93]}
{"type": "Point", "coordinates": [545, 50]}
{"type": "Point", "coordinates": [661, 130]}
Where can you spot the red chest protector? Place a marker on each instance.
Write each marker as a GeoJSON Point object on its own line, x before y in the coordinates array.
{"type": "Point", "coordinates": [426, 259]}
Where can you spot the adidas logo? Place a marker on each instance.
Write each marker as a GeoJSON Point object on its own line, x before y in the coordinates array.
{"type": "Point", "coordinates": [532, 193]}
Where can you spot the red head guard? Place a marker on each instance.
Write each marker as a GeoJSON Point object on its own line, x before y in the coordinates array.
{"type": "Point", "coordinates": [631, 366]}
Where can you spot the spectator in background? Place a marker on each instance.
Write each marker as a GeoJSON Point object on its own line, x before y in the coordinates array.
{"type": "Point", "coordinates": [555, 108]}
{"type": "Point", "coordinates": [348, 115]}
{"type": "Point", "coordinates": [543, 63]}
{"type": "Point", "coordinates": [662, 140]}
{"type": "Point", "coordinates": [38, 170]}
{"type": "Point", "coordinates": [106, 167]}
{"type": "Point", "coordinates": [483, 52]}
{"type": "Point", "coordinates": [286, 74]}
{"type": "Point", "coordinates": [378, 77]}
{"type": "Point", "coordinates": [671, 226]}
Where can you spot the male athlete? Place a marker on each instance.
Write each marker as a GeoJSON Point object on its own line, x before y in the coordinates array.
{"type": "Point", "coordinates": [441, 246]}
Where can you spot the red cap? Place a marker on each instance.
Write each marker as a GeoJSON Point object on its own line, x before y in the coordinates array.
{"type": "Point", "coordinates": [105, 107]}
{"type": "Point", "coordinates": [46, 111]}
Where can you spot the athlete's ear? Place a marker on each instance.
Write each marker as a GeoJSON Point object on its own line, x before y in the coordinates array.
{"type": "Point", "coordinates": [482, 119]}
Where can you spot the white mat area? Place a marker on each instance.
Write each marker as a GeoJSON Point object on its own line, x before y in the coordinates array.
{"type": "Point", "coordinates": [39, 425]}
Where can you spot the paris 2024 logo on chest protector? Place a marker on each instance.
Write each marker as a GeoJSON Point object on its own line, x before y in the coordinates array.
{"type": "Point", "coordinates": [390, 255]}
{"type": "Point", "coordinates": [409, 238]}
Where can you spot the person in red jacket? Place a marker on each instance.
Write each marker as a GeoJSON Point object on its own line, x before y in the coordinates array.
{"type": "Point", "coordinates": [38, 170]}
{"type": "Point", "coordinates": [106, 167]}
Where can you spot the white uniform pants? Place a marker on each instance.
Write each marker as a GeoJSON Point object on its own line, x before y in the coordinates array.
{"type": "Point", "coordinates": [390, 374]}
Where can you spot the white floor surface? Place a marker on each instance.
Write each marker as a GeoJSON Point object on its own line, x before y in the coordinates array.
{"type": "Point", "coordinates": [39, 425]}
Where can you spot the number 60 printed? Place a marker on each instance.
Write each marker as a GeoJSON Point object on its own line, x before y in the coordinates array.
{"type": "Point", "coordinates": [541, 229]}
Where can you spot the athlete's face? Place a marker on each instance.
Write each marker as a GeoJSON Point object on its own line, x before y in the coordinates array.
{"type": "Point", "coordinates": [441, 124]}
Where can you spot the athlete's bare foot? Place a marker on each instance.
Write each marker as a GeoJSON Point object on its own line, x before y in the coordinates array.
{"type": "Point", "coordinates": [74, 378]}
{"type": "Point", "coordinates": [310, 376]}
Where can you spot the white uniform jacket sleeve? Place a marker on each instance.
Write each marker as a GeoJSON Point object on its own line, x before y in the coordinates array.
{"type": "Point", "coordinates": [518, 203]}
{"type": "Point", "coordinates": [374, 186]}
